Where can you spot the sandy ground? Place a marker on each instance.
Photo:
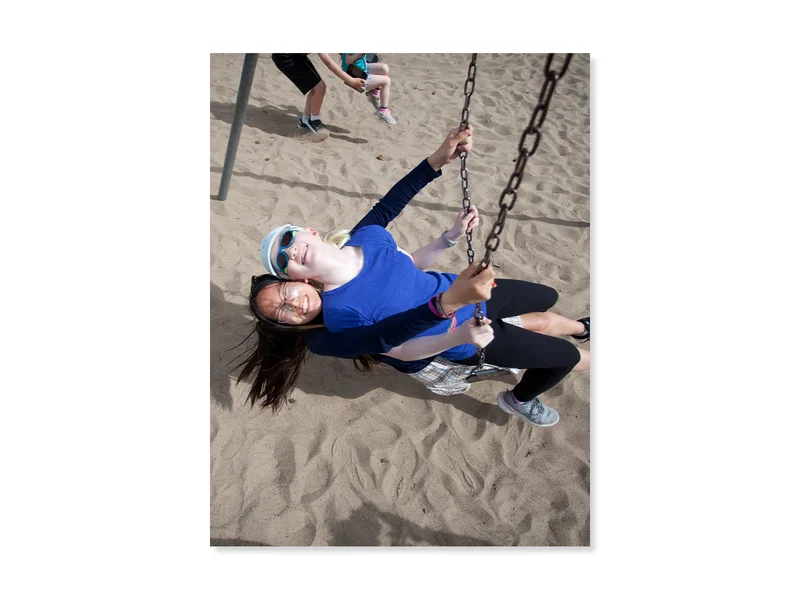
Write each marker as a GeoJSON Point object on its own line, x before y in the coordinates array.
{"type": "Point", "coordinates": [377, 459]}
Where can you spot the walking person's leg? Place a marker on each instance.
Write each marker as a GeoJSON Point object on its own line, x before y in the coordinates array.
{"type": "Point", "coordinates": [314, 101]}
{"type": "Point", "coordinates": [302, 73]}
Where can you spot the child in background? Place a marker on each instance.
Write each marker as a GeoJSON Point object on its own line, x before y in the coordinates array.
{"type": "Point", "coordinates": [301, 72]}
{"type": "Point", "coordinates": [378, 83]}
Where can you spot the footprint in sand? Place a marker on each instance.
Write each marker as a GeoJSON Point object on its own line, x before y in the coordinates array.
{"type": "Point", "coordinates": [563, 522]}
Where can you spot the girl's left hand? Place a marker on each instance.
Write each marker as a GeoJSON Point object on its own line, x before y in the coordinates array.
{"type": "Point", "coordinates": [464, 223]}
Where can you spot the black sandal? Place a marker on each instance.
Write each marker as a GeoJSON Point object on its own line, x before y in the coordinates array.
{"type": "Point", "coordinates": [584, 337]}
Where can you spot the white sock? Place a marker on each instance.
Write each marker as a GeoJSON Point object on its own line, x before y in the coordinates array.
{"type": "Point", "coordinates": [305, 119]}
{"type": "Point", "coordinates": [315, 117]}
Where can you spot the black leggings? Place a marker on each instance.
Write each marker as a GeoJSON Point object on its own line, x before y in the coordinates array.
{"type": "Point", "coordinates": [546, 359]}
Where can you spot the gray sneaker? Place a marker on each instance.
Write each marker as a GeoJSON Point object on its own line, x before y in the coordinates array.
{"type": "Point", "coordinates": [532, 411]}
{"type": "Point", "coordinates": [386, 117]}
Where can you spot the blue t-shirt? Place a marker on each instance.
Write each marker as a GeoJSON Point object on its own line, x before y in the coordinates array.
{"type": "Point", "coordinates": [389, 283]}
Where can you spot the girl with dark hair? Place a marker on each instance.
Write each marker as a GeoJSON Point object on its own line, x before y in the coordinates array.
{"type": "Point", "coordinates": [379, 301]}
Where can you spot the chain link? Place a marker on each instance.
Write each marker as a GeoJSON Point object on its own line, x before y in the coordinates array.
{"type": "Point", "coordinates": [469, 87]}
{"type": "Point", "coordinates": [533, 129]}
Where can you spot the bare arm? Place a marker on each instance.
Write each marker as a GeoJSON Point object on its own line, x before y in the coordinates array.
{"type": "Point", "coordinates": [357, 84]}
{"type": "Point", "coordinates": [423, 347]}
{"type": "Point", "coordinates": [427, 255]}
{"type": "Point", "coordinates": [431, 345]}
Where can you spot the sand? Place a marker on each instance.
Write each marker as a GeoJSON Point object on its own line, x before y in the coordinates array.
{"type": "Point", "coordinates": [376, 459]}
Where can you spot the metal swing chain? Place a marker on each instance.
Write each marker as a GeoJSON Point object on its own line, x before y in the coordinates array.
{"type": "Point", "coordinates": [469, 87]}
{"type": "Point", "coordinates": [534, 129]}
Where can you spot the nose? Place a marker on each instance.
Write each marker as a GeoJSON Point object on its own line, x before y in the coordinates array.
{"type": "Point", "coordinates": [295, 303]}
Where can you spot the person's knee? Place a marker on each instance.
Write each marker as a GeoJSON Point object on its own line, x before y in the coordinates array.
{"type": "Point", "coordinates": [565, 361]}
{"type": "Point", "coordinates": [574, 357]}
{"type": "Point", "coordinates": [549, 295]}
{"type": "Point", "coordinates": [537, 321]}
{"type": "Point", "coordinates": [379, 68]}
{"type": "Point", "coordinates": [553, 296]}
{"type": "Point", "coordinates": [319, 89]}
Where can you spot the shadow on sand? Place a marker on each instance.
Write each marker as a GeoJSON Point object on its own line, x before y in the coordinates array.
{"type": "Point", "coordinates": [278, 120]}
{"type": "Point", "coordinates": [368, 525]}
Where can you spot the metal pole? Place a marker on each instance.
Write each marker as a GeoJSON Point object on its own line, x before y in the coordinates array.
{"type": "Point", "coordinates": [248, 70]}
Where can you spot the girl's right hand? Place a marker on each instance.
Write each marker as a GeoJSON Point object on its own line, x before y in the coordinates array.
{"type": "Point", "coordinates": [469, 288]}
{"type": "Point", "coordinates": [469, 332]}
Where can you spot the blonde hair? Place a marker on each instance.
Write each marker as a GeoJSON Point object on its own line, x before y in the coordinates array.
{"type": "Point", "coordinates": [338, 238]}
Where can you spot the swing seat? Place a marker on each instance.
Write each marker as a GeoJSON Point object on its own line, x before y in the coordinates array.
{"type": "Point", "coordinates": [489, 372]}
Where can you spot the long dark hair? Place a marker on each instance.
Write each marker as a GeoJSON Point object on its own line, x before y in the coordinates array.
{"type": "Point", "coordinates": [279, 353]}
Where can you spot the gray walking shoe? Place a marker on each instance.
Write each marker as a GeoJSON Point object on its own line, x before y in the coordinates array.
{"type": "Point", "coordinates": [385, 117]}
{"type": "Point", "coordinates": [532, 411]}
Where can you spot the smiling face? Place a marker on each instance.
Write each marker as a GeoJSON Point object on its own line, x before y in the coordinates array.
{"type": "Point", "coordinates": [290, 302]}
{"type": "Point", "coordinates": [301, 253]}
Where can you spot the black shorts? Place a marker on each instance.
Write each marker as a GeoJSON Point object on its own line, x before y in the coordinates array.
{"type": "Point", "coordinates": [298, 69]}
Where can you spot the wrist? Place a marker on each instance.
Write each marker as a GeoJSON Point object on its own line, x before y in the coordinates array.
{"type": "Point", "coordinates": [456, 337]}
{"type": "Point", "coordinates": [448, 305]}
{"type": "Point", "coordinates": [448, 239]}
{"type": "Point", "coordinates": [435, 161]}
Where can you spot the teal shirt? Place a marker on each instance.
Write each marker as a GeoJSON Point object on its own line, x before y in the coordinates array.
{"type": "Point", "coordinates": [359, 62]}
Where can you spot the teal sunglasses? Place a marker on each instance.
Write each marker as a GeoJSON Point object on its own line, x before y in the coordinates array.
{"type": "Point", "coordinates": [282, 259]}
